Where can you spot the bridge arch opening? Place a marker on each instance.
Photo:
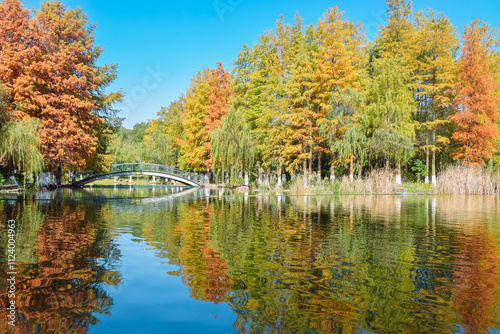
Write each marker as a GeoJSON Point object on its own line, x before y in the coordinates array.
{"type": "Point", "coordinates": [130, 169]}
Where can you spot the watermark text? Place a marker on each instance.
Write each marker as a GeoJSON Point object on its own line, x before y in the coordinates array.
{"type": "Point", "coordinates": [11, 272]}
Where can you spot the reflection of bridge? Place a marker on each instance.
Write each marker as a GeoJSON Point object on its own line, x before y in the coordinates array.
{"type": "Point", "coordinates": [169, 172]}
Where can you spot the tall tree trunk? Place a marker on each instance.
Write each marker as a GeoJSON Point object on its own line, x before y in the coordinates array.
{"type": "Point", "coordinates": [351, 168]}
{"type": "Point", "coordinates": [433, 179]}
{"type": "Point", "coordinates": [427, 161]}
{"type": "Point", "coordinates": [319, 166]}
{"type": "Point", "coordinates": [310, 159]}
{"type": "Point", "coordinates": [441, 161]}
{"type": "Point", "coordinates": [259, 171]}
{"type": "Point", "coordinates": [279, 174]}
{"type": "Point", "coordinates": [58, 175]}
{"type": "Point", "coordinates": [398, 176]}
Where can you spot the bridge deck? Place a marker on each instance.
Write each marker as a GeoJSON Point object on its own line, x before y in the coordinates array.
{"type": "Point", "coordinates": [166, 171]}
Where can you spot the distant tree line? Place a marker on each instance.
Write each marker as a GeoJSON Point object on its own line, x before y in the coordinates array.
{"type": "Point", "coordinates": [308, 99]}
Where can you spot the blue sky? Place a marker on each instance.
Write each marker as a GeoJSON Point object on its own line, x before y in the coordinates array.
{"type": "Point", "coordinates": [160, 45]}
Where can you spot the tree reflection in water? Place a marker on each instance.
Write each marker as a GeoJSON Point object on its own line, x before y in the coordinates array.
{"type": "Point", "coordinates": [61, 290]}
{"type": "Point", "coordinates": [355, 263]}
{"type": "Point", "coordinates": [281, 263]}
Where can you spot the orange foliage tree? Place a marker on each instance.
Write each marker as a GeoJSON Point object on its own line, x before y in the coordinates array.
{"type": "Point", "coordinates": [218, 100]}
{"type": "Point", "coordinates": [475, 105]}
{"type": "Point", "coordinates": [48, 67]}
{"type": "Point", "coordinates": [66, 76]}
{"type": "Point", "coordinates": [17, 48]}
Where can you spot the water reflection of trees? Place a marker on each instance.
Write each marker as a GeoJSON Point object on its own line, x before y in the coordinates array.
{"type": "Point", "coordinates": [283, 264]}
{"type": "Point", "coordinates": [60, 290]}
{"type": "Point", "coordinates": [344, 264]}
{"type": "Point", "coordinates": [476, 292]}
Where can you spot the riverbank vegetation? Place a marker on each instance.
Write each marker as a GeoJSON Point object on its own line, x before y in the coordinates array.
{"type": "Point", "coordinates": [469, 181]}
{"type": "Point", "coordinates": [321, 101]}
{"type": "Point", "coordinates": [304, 101]}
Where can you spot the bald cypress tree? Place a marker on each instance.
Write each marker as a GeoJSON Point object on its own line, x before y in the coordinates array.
{"type": "Point", "coordinates": [476, 105]}
{"type": "Point", "coordinates": [435, 76]}
{"type": "Point", "coordinates": [194, 151]}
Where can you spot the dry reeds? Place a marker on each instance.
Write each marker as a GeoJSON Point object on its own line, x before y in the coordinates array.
{"type": "Point", "coordinates": [379, 182]}
{"type": "Point", "coordinates": [300, 186]}
{"type": "Point", "coordinates": [468, 180]}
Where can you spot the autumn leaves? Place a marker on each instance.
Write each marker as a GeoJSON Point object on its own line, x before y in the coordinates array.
{"type": "Point", "coordinates": [321, 96]}
{"type": "Point", "coordinates": [302, 98]}
{"type": "Point", "coordinates": [476, 102]}
{"type": "Point", "coordinates": [49, 71]}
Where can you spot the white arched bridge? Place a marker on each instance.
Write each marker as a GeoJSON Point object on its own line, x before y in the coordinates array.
{"type": "Point", "coordinates": [169, 172]}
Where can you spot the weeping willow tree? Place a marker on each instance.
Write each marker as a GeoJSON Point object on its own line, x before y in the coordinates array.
{"type": "Point", "coordinates": [390, 111]}
{"type": "Point", "coordinates": [391, 145]}
{"type": "Point", "coordinates": [352, 146]}
{"type": "Point", "coordinates": [342, 128]}
{"type": "Point", "coordinates": [20, 145]}
{"type": "Point", "coordinates": [232, 145]}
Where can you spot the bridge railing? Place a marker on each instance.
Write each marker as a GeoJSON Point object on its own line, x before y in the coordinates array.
{"type": "Point", "coordinates": [144, 167]}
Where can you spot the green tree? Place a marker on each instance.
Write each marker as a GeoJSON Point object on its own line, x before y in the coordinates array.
{"type": "Point", "coordinates": [128, 146]}
{"type": "Point", "coordinates": [265, 101]}
{"type": "Point", "coordinates": [435, 77]}
{"type": "Point", "coordinates": [390, 112]}
{"type": "Point", "coordinates": [343, 129]}
{"type": "Point", "coordinates": [232, 145]}
{"type": "Point", "coordinates": [20, 145]}
{"type": "Point", "coordinates": [340, 61]}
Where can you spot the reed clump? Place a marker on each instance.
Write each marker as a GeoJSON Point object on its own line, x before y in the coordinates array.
{"type": "Point", "coordinates": [311, 185]}
{"type": "Point", "coordinates": [378, 182]}
{"type": "Point", "coordinates": [468, 180]}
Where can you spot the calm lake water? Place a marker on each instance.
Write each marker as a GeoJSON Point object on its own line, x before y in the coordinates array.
{"type": "Point", "coordinates": [178, 260]}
